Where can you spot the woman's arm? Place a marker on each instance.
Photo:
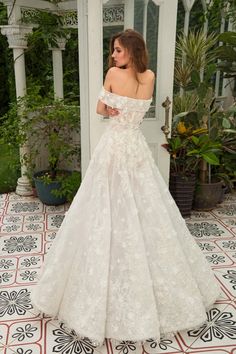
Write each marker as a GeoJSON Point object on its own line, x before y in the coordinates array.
{"type": "Point", "coordinates": [102, 108]}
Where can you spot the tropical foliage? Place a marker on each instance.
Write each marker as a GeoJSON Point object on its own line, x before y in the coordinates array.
{"type": "Point", "coordinates": [194, 52]}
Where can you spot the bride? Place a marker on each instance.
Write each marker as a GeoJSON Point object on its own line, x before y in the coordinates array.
{"type": "Point", "coordinates": [123, 264]}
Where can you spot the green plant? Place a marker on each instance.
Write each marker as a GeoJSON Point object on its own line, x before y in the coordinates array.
{"type": "Point", "coordinates": [9, 167]}
{"type": "Point", "coordinates": [194, 134]}
{"type": "Point", "coordinates": [223, 125]}
{"type": "Point", "coordinates": [216, 9]}
{"type": "Point", "coordinates": [184, 103]}
{"type": "Point", "coordinates": [69, 185]}
{"type": "Point", "coordinates": [194, 52]}
{"type": "Point", "coordinates": [43, 123]}
{"type": "Point", "coordinates": [188, 147]}
{"type": "Point", "coordinates": [218, 140]}
{"type": "Point", "coordinates": [227, 55]}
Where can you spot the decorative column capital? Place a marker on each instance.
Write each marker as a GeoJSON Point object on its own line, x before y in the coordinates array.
{"type": "Point", "coordinates": [16, 35]}
{"type": "Point", "coordinates": [61, 42]}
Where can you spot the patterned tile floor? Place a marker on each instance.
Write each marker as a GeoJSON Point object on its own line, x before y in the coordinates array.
{"type": "Point", "coordinates": [27, 229]}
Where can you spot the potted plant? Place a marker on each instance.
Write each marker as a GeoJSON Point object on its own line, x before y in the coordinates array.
{"type": "Point", "coordinates": [224, 126]}
{"type": "Point", "coordinates": [226, 53]}
{"type": "Point", "coordinates": [187, 148]}
{"type": "Point", "coordinates": [50, 129]}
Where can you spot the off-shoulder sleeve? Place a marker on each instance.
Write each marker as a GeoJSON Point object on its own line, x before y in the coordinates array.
{"type": "Point", "coordinates": [122, 102]}
{"type": "Point", "coordinates": [101, 95]}
{"type": "Point", "coordinates": [107, 98]}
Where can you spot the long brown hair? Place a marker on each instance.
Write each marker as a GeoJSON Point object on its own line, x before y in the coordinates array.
{"type": "Point", "coordinates": [136, 47]}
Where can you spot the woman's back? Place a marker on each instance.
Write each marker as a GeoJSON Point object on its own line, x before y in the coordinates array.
{"type": "Point", "coordinates": [125, 82]}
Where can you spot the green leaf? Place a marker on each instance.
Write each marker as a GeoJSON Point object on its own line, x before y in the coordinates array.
{"type": "Point", "coordinates": [211, 158]}
{"type": "Point", "coordinates": [195, 77]}
{"type": "Point", "coordinates": [180, 115]}
{"type": "Point", "coordinates": [195, 140]}
{"type": "Point", "coordinates": [228, 37]}
{"type": "Point", "coordinates": [225, 123]}
{"type": "Point", "coordinates": [230, 131]}
{"type": "Point", "coordinates": [210, 70]}
{"type": "Point", "coordinates": [203, 139]}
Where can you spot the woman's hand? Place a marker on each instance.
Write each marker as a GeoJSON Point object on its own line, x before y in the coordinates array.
{"type": "Point", "coordinates": [112, 112]}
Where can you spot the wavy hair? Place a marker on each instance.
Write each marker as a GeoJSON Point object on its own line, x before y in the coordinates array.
{"type": "Point", "coordinates": [136, 47]}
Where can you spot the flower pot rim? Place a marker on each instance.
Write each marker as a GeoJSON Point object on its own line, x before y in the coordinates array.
{"type": "Point", "coordinates": [38, 174]}
{"type": "Point", "coordinates": [211, 183]}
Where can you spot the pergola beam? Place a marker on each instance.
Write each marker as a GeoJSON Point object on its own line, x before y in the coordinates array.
{"type": "Point", "coordinates": [39, 4]}
{"type": "Point", "coordinates": [67, 5]}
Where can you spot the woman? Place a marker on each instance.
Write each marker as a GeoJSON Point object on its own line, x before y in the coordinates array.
{"type": "Point", "coordinates": [128, 266]}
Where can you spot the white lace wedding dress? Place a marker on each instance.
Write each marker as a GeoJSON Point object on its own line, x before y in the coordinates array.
{"type": "Point", "coordinates": [123, 264]}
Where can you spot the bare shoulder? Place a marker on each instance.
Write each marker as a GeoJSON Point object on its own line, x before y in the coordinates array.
{"type": "Point", "coordinates": [114, 74]}
{"type": "Point", "coordinates": [149, 75]}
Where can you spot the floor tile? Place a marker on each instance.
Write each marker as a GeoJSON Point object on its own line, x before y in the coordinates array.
{"type": "Point", "coordinates": [201, 215]}
{"type": "Point", "coordinates": [31, 227]}
{"type": "Point", "coordinates": [31, 261]}
{"type": "Point", "coordinates": [227, 278]}
{"type": "Point", "coordinates": [25, 349]}
{"type": "Point", "coordinates": [60, 340]}
{"type": "Point", "coordinates": [15, 304]}
{"type": "Point", "coordinates": [166, 345]}
{"type": "Point", "coordinates": [225, 210]}
{"type": "Point", "coordinates": [10, 228]}
{"type": "Point", "coordinates": [219, 259]}
{"type": "Point", "coordinates": [226, 245]}
{"type": "Point", "coordinates": [208, 246]}
{"type": "Point", "coordinates": [8, 263]}
{"type": "Point", "coordinates": [7, 278]}
{"type": "Point", "coordinates": [50, 236]}
{"type": "Point", "coordinates": [55, 209]}
{"type": "Point", "coordinates": [12, 219]}
{"type": "Point", "coordinates": [221, 333]}
{"type": "Point", "coordinates": [54, 221]}
{"type": "Point", "coordinates": [3, 333]}
{"type": "Point", "coordinates": [21, 244]}
{"type": "Point", "coordinates": [204, 333]}
{"type": "Point", "coordinates": [23, 207]}
{"type": "Point", "coordinates": [210, 229]}
{"type": "Point", "coordinates": [229, 222]}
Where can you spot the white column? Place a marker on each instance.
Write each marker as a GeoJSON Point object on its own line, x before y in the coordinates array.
{"type": "Point", "coordinates": [217, 82]}
{"type": "Point", "coordinates": [186, 22]}
{"type": "Point", "coordinates": [164, 84]}
{"type": "Point", "coordinates": [58, 68]}
{"type": "Point", "coordinates": [228, 84]}
{"type": "Point", "coordinates": [91, 72]}
{"type": "Point", "coordinates": [17, 41]}
{"type": "Point", "coordinates": [145, 19]}
{"type": "Point", "coordinates": [129, 14]}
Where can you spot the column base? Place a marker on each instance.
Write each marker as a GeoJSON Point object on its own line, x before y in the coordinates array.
{"type": "Point", "coordinates": [24, 187]}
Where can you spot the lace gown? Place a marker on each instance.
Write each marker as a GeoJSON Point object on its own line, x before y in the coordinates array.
{"type": "Point", "coordinates": [123, 264]}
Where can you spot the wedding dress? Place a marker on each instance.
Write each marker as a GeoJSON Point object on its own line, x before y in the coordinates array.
{"type": "Point", "coordinates": [123, 264]}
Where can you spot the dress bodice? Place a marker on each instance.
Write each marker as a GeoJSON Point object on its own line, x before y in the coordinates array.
{"type": "Point", "coordinates": [132, 110]}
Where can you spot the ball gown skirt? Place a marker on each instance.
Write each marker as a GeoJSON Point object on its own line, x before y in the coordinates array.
{"type": "Point", "coordinates": [123, 264]}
